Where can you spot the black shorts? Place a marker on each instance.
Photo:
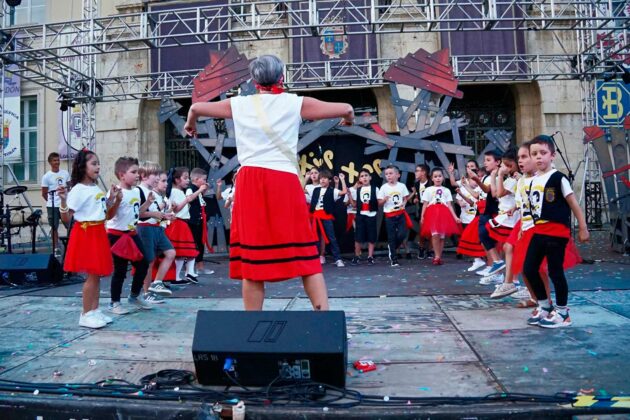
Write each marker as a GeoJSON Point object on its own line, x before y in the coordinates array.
{"type": "Point", "coordinates": [365, 229]}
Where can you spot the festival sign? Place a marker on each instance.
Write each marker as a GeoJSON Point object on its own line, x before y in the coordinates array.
{"type": "Point", "coordinates": [334, 42]}
{"type": "Point", "coordinates": [613, 103]}
{"type": "Point", "coordinates": [10, 145]}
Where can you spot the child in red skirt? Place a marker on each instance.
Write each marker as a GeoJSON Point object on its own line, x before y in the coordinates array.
{"type": "Point", "coordinates": [88, 248]}
{"type": "Point", "coordinates": [438, 218]}
{"type": "Point", "coordinates": [178, 231]}
{"type": "Point", "coordinates": [499, 227]}
{"type": "Point", "coordinates": [468, 196]}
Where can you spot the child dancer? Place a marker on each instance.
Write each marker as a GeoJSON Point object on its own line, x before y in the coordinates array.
{"type": "Point", "coordinates": [395, 196]}
{"type": "Point", "coordinates": [552, 201]}
{"type": "Point", "coordinates": [88, 248]}
{"type": "Point", "coordinates": [365, 199]}
{"type": "Point", "coordinates": [322, 206]}
{"type": "Point", "coordinates": [125, 243]}
{"type": "Point", "coordinates": [178, 231]}
{"type": "Point", "coordinates": [197, 221]}
{"type": "Point", "coordinates": [469, 243]}
{"type": "Point", "coordinates": [491, 162]}
{"type": "Point", "coordinates": [152, 233]}
{"type": "Point", "coordinates": [500, 227]}
{"type": "Point", "coordinates": [312, 181]}
{"type": "Point", "coordinates": [438, 217]}
{"type": "Point", "coordinates": [421, 183]}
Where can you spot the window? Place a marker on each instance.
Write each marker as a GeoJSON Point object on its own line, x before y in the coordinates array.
{"type": "Point", "coordinates": [26, 170]}
{"type": "Point", "coordinates": [29, 11]}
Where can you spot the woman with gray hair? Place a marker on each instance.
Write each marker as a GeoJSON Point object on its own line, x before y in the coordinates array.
{"type": "Point", "coordinates": [270, 238]}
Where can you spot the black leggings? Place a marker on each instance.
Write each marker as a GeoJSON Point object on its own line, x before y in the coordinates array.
{"type": "Point", "coordinates": [553, 248]}
{"type": "Point", "coordinates": [197, 232]}
{"type": "Point", "coordinates": [120, 270]}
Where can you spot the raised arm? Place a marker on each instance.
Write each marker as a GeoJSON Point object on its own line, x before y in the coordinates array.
{"type": "Point", "coordinates": [221, 109]}
{"type": "Point", "coordinates": [314, 109]}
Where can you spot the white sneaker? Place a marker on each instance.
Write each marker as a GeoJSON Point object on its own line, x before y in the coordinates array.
{"type": "Point", "coordinates": [476, 265]}
{"type": "Point", "coordinates": [521, 294]}
{"type": "Point", "coordinates": [339, 263]}
{"type": "Point", "coordinates": [91, 320]}
{"type": "Point", "coordinates": [117, 308]}
{"type": "Point", "coordinates": [139, 302]}
{"type": "Point", "coordinates": [483, 272]}
{"type": "Point", "coordinates": [502, 290]}
{"type": "Point", "coordinates": [106, 318]}
{"type": "Point", "coordinates": [493, 279]}
{"type": "Point", "coordinates": [158, 288]}
{"type": "Point", "coordinates": [322, 259]}
{"type": "Point", "coordinates": [153, 298]}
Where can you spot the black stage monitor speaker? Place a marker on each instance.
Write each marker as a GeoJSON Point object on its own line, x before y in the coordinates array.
{"type": "Point", "coordinates": [30, 268]}
{"type": "Point", "coordinates": [254, 348]}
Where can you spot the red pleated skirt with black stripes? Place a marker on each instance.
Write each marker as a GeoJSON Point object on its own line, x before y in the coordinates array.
{"type": "Point", "coordinates": [469, 243]}
{"type": "Point", "coordinates": [182, 239]}
{"type": "Point", "coordinates": [271, 238]}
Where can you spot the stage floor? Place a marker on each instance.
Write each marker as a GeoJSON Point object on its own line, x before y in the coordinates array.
{"type": "Point", "coordinates": [432, 331]}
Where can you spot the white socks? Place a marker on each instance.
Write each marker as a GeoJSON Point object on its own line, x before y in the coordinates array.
{"type": "Point", "coordinates": [179, 263]}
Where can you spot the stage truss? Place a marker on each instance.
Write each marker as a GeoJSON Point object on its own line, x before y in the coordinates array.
{"type": "Point", "coordinates": [62, 56]}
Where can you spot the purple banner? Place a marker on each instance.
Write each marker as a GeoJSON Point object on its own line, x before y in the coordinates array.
{"type": "Point", "coordinates": [174, 54]}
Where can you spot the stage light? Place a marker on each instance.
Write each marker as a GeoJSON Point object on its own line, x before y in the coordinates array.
{"type": "Point", "coordinates": [626, 76]}
{"type": "Point", "coordinates": [14, 3]}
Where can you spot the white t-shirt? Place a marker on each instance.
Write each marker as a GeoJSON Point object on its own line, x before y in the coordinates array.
{"type": "Point", "coordinates": [87, 202]}
{"type": "Point", "coordinates": [320, 200]}
{"type": "Point", "coordinates": [266, 128]}
{"type": "Point", "coordinates": [128, 212]}
{"type": "Point", "coordinates": [468, 212]}
{"type": "Point", "coordinates": [522, 202]}
{"type": "Point", "coordinates": [178, 196]}
{"type": "Point", "coordinates": [346, 200]}
{"type": "Point", "coordinates": [154, 207]}
{"type": "Point", "coordinates": [537, 192]}
{"type": "Point", "coordinates": [506, 203]}
{"type": "Point", "coordinates": [365, 195]}
{"type": "Point", "coordinates": [202, 202]}
{"type": "Point", "coordinates": [396, 194]}
{"type": "Point", "coordinates": [437, 195]}
{"type": "Point", "coordinates": [52, 180]}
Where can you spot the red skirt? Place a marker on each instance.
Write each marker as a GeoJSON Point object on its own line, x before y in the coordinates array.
{"type": "Point", "coordinates": [180, 236]}
{"type": "Point", "coordinates": [271, 238]}
{"type": "Point", "coordinates": [498, 232]}
{"type": "Point", "coordinates": [513, 238]}
{"type": "Point", "coordinates": [469, 243]}
{"type": "Point", "coordinates": [438, 220]}
{"type": "Point", "coordinates": [571, 254]}
{"type": "Point", "coordinates": [89, 250]}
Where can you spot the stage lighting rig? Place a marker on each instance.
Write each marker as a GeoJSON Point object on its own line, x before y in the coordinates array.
{"type": "Point", "coordinates": [65, 101]}
{"type": "Point", "coordinates": [13, 3]}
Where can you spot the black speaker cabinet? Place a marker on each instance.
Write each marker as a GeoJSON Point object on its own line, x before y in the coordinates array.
{"type": "Point", "coordinates": [30, 268]}
{"type": "Point", "coordinates": [255, 348]}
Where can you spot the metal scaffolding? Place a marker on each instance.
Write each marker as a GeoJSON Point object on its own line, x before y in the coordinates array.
{"type": "Point", "coordinates": [62, 56]}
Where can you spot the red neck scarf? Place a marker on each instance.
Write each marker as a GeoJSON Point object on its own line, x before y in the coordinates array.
{"type": "Point", "coordinates": [274, 89]}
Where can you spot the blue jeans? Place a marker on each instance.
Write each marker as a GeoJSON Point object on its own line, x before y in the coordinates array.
{"type": "Point", "coordinates": [329, 229]}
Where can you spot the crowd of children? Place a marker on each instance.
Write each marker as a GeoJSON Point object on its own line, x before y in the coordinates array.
{"type": "Point", "coordinates": [514, 219]}
{"type": "Point", "coordinates": [148, 218]}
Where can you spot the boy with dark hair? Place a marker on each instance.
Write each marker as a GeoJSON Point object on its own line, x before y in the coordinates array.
{"type": "Point", "coordinates": [420, 184]}
{"type": "Point", "coordinates": [322, 207]}
{"type": "Point", "coordinates": [491, 163]}
{"type": "Point", "coordinates": [50, 181]}
{"type": "Point", "coordinates": [197, 221]}
{"type": "Point", "coordinates": [397, 221]}
{"type": "Point", "coordinates": [552, 200]}
{"type": "Point", "coordinates": [365, 200]}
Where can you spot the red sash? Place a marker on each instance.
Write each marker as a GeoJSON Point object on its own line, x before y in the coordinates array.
{"type": "Point", "coordinates": [317, 225]}
{"type": "Point", "coordinates": [204, 225]}
{"type": "Point", "coordinates": [408, 221]}
{"type": "Point", "coordinates": [350, 221]}
{"type": "Point", "coordinates": [125, 247]}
